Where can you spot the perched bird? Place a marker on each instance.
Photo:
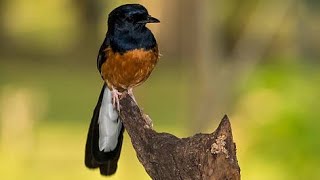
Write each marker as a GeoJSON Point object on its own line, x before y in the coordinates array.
{"type": "Point", "coordinates": [126, 58]}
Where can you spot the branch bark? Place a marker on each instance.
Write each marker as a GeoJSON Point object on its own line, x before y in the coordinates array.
{"type": "Point", "coordinates": [165, 157]}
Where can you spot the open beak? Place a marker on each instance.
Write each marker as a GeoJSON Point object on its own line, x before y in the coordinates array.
{"type": "Point", "coordinates": [149, 19]}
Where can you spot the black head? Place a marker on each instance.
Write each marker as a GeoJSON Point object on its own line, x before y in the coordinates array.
{"type": "Point", "coordinates": [127, 28]}
{"type": "Point", "coordinates": [130, 15]}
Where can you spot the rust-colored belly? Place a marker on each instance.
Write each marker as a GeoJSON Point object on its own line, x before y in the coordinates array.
{"type": "Point", "coordinates": [123, 71]}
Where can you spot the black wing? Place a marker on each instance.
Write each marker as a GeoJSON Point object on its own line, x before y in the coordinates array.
{"type": "Point", "coordinates": [102, 57]}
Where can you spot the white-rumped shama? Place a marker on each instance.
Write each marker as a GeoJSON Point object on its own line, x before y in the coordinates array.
{"type": "Point", "coordinates": [126, 58]}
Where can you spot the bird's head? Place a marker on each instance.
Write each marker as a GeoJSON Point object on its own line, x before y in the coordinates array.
{"type": "Point", "coordinates": [130, 15]}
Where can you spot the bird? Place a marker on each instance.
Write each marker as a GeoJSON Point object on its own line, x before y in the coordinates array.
{"type": "Point", "coordinates": [125, 60]}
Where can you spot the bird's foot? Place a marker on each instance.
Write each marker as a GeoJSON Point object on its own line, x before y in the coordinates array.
{"type": "Point", "coordinates": [130, 92]}
{"type": "Point", "coordinates": [115, 99]}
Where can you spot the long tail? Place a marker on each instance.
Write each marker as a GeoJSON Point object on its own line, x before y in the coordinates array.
{"type": "Point", "coordinates": [104, 140]}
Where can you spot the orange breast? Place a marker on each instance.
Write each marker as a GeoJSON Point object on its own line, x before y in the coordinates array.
{"type": "Point", "coordinates": [123, 71]}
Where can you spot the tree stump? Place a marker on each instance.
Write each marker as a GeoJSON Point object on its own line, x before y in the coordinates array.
{"type": "Point", "coordinates": [166, 157]}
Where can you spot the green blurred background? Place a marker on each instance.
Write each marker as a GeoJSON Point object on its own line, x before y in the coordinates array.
{"type": "Point", "coordinates": [255, 60]}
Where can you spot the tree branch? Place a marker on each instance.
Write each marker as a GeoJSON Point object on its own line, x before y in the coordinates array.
{"type": "Point", "coordinates": [166, 157]}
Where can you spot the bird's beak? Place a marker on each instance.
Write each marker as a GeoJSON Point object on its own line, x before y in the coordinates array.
{"type": "Point", "coordinates": [149, 19]}
{"type": "Point", "coordinates": [152, 20]}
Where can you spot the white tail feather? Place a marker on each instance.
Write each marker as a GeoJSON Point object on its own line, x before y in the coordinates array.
{"type": "Point", "coordinates": [109, 125]}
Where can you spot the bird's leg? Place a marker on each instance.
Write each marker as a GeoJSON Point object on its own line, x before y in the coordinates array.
{"type": "Point", "coordinates": [130, 92]}
{"type": "Point", "coordinates": [115, 98]}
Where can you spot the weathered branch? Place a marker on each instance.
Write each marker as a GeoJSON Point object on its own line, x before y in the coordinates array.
{"type": "Point", "coordinates": [165, 157]}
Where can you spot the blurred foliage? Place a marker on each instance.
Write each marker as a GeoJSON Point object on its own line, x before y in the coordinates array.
{"type": "Point", "coordinates": [279, 109]}
{"type": "Point", "coordinates": [49, 84]}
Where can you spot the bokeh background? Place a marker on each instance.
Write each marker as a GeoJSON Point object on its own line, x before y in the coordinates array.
{"type": "Point", "coordinates": [255, 60]}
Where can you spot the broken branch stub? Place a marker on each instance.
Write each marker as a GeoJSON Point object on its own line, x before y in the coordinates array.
{"type": "Point", "coordinates": [165, 157]}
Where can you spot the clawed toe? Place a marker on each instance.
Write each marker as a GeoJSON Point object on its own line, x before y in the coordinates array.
{"type": "Point", "coordinates": [115, 99]}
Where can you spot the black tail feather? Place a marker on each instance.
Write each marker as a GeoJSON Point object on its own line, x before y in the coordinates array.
{"type": "Point", "coordinates": [94, 158]}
